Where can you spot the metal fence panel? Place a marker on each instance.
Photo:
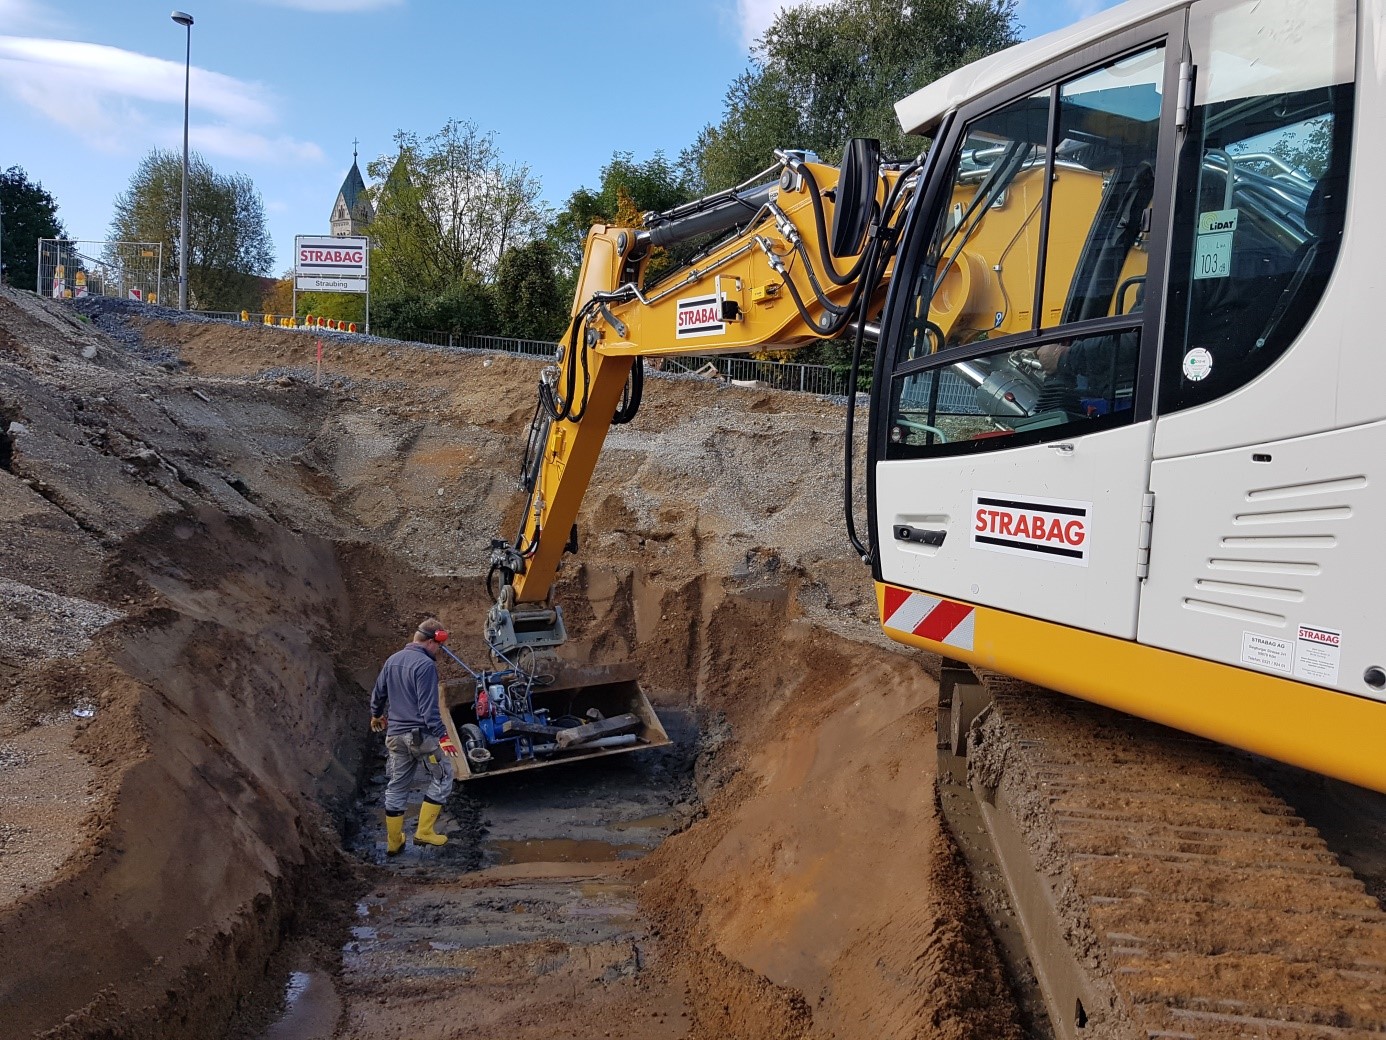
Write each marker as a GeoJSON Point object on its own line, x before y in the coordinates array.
{"type": "Point", "coordinates": [71, 268]}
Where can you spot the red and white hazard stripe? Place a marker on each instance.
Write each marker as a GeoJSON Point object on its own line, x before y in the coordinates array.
{"type": "Point", "coordinates": [941, 620]}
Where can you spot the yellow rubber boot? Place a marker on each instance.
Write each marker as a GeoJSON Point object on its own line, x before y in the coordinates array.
{"type": "Point", "coordinates": [428, 816]}
{"type": "Point", "coordinates": [394, 834]}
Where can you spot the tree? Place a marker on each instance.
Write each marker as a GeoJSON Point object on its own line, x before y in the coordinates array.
{"type": "Point", "coordinates": [27, 214]}
{"type": "Point", "coordinates": [655, 184]}
{"type": "Point", "coordinates": [280, 298]}
{"type": "Point", "coordinates": [529, 300]}
{"type": "Point", "coordinates": [627, 191]}
{"type": "Point", "coordinates": [821, 74]}
{"type": "Point", "coordinates": [342, 306]}
{"type": "Point", "coordinates": [447, 208]}
{"type": "Point", "coordinates": [228, 244]}
{"type": "Point", "coordinates": [466, 306]}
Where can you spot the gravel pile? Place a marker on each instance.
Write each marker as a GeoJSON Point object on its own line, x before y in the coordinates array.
{"type": "Point", "coordinates": [34, 623]}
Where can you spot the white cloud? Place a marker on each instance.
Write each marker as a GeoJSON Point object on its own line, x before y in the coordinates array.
{"type": "Point", "coordinates": [100, 93]}
{"type": "Point", "coordinates": [87, 68]}
{"type": "Point", "coordinates": [755, 16]}
{"type": "Point", "coordinates": [332, 6]}
{"type": "Point", "coordinates": [247, 144]}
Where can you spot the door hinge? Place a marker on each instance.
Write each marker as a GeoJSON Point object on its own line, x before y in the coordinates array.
{"type": "Point", "coordinates": [1185, 96]}
{"type": "Point", "coordinates": [1143, 541]}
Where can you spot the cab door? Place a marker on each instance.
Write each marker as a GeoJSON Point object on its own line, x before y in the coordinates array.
{"type": "Point", "coordinates": [1267, 508]}
{"type": "Point", "coordinates": [1013, 404]}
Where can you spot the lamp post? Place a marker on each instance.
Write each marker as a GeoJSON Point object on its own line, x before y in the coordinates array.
{"type": "Point", "coordinates": [186, 20]}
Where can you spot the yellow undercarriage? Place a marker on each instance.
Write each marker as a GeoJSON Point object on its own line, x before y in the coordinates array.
{"type": "Point", "coordinates": [1328, 732]}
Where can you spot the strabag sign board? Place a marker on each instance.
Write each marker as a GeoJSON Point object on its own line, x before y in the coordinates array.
{"type": "Point", "coordinates": [330, 264]}
{"type": "Point", "coordinates": [1051, 529]}
{"type": "Point", "coordinates": [700, 316]}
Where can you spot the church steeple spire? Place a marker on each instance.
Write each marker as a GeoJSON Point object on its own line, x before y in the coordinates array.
{"type": "Point", "coordinates": [352, 211]}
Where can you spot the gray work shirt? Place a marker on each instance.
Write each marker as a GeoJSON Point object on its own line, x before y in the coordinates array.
{"type": "Point", "coordinates": [409, 683]}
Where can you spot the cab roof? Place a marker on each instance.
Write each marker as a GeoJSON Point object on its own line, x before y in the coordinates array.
{"type": "Point", "coordinates": [925, 107]}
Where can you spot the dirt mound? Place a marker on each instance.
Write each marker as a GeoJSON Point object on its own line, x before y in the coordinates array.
{"type": "Point", "coordinates": [255, 543]}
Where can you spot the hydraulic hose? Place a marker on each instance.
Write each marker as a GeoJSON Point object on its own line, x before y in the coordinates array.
{"type": "Point", "coordinates": [821, 224]}
{"type": "Point", "coordinates": [631, 395]}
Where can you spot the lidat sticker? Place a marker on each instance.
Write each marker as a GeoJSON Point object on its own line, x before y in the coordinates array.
{"type": "Point", "coordinates": [1213, 251]}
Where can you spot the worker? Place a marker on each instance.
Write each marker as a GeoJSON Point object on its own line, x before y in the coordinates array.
{"type": "Point", "coordinates": [407, 689]}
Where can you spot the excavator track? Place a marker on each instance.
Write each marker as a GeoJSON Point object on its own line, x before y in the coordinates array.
{"type": "Point", "coordinates": [1147, 883]}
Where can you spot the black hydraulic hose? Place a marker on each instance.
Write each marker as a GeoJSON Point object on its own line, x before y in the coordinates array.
{"type": "Point", "coordinates": [631, 395]}
{"type": "Point", "coordinates": [825, 332]}
{"type": "Point", "coordinates": [849, 436]}
{"type": "Point", "coordinates": [565, 411]}
{"type": "Point", "coordinates": [823, 300]}
{"type": "Point", "coordinates": [882, 229]}
{"type": "Point", "coordinates": [821, 223]}
{"type": "Point", "coordinates": [881, 250]}
{"type": "Point", "coordinates": [533, 447]}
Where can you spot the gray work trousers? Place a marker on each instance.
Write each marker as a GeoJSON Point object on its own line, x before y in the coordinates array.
{"type": "Point", "coordinates": [405, 759]}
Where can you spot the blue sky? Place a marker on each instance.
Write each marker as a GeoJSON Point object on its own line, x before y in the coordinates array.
{"type": "Point", "coordinates": [281, 87]}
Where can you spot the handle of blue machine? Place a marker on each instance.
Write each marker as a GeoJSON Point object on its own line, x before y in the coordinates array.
{"type": "Point", "coordinates": [465, 667]}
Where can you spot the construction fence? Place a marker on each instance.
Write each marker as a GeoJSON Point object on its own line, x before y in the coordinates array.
{"type": "Point", "coordinates": [781, 375]}
{"type": "Point", "coordinates": [71, 268]}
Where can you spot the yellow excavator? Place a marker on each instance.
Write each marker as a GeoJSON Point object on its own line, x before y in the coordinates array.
{"type": "Point", "coordinates": [1125, 436]}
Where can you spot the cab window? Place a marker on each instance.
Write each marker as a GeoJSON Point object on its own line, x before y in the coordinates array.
{"type": "Point", "coordinates": [1042, 235]}
{"type": "Point", "coordinates": [1262, 193]}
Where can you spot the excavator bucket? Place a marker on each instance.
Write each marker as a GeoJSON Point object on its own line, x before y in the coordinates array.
{"type": "Point", "coordinates": [586, 712]}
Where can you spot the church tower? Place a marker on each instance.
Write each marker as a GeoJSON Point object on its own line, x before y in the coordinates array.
{"type": "Point", "coordinates": [352, 211]}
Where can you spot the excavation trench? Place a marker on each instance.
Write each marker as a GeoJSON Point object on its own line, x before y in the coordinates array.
{"type": "Point", "coordinates": [201, 571]}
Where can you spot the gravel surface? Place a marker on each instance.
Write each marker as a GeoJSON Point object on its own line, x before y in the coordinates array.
{"type": "Point", "coordinates": [35, 623]}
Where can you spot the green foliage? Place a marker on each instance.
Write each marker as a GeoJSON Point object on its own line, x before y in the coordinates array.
{"type": "Point", "coordinates": [1307, 146]}
{"type": "Point", "coordinates": [466, 306]}
{"type": "Point", "coordinates": [447, 208]}
{"type": "Point", "coordinates": [528, 297]}
{"type": "Point", "coordinates": [229, 246]}
{"type": "Point", "coordinates": [342, 306]}
{"type": "Point", "coordinates": [655, 184]}
{"type": "Point", "coordinates": [27, 214]}
{"type": "Point", "coordinates": [824, 73]}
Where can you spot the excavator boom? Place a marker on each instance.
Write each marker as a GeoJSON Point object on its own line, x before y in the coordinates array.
{"type": "Point", "coordinates": [774, 282]}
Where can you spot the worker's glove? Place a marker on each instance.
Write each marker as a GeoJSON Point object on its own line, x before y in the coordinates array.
{"type": "Point", "coordinates": [378, 724]}
{"type": "Point", "coordinates": [446, 746]}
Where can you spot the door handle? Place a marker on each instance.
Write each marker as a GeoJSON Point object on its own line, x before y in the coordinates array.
{"type": "Point", "coordinates": [906, 533]}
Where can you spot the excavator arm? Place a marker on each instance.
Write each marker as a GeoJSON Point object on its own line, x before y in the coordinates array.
{"type": "Point", "coordinates": [807, 255]}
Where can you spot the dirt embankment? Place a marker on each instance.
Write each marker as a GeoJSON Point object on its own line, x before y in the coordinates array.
{"type": "Point", "coordinates": [245, 547]}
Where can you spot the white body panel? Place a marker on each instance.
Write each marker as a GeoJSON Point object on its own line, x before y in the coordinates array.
{"type": "Point", "coordinates": [1104, 469]}
{"type": "Point", "coordinates": [1244, 546]}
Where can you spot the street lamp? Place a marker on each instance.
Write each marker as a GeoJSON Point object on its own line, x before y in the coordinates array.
{"type": "Point", "coordinates": [186, 20]}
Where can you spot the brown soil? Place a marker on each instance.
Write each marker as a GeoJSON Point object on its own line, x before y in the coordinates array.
{"type": "Point", "coordinates": [216, 558]}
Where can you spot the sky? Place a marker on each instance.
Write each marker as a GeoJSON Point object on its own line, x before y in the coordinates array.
{"type": "Point", "coordinates": [280, 89]}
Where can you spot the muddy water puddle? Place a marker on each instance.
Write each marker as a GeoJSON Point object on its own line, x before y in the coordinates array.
{"type": "Point", "coordinates": [560, 850]}
{"type": "Point", "coordinates": [311, 1008]}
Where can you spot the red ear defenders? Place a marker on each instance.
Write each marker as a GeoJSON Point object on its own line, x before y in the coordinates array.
{"type": "Point", "coordinates": [440, 636]}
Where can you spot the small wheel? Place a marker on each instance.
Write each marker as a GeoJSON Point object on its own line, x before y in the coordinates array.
{"type": "Point", "coordinates": [474, 747]}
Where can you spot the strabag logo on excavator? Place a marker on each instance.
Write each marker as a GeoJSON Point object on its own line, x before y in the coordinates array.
{"type": "Point", "coordinates": [1053, 529]}
{"type": "Point", "coordinates": [699, 316]}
